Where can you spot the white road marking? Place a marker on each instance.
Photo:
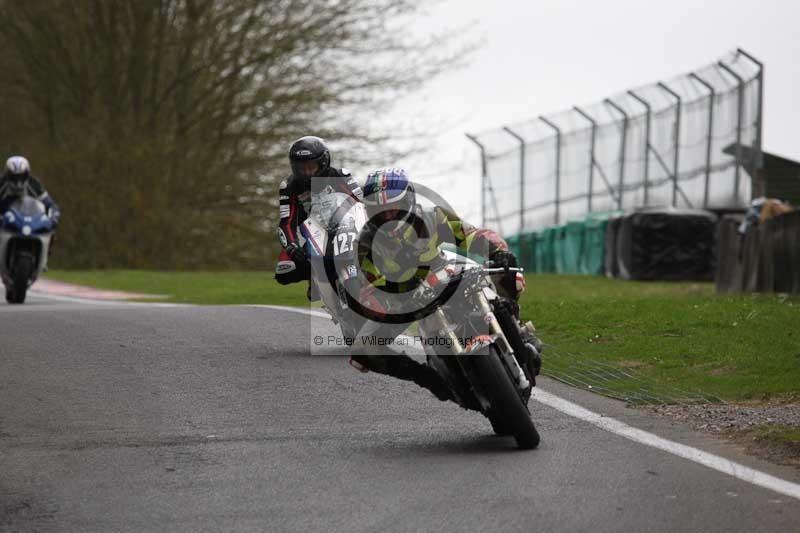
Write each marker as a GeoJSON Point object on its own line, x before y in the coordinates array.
{"type": "Point", "coordinates": [300, 310]}
{"type": "Point", "coordinates": [612, 425]}
{"type": "Point", "coordinates": [89, 301]}
{"type": "Point", "coordinates": [720, 464]}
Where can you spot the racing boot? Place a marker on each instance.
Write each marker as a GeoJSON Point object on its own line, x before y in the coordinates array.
{"type": "Point", "coordinates": [405, 368]}
{"type": "Point", "coordinates": [312, 293]}
{"type": "Point", "coordinates": [428, 378]}
{"type": "Point", "coordinates": [534, 348]}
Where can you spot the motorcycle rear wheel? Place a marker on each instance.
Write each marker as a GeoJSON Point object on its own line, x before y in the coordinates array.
{"type": "Point", "coordinates": [507, 413]}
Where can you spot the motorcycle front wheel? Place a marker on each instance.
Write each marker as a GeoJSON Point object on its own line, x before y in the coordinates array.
{"type": "Point", "coordinates": [507, 413]}
{"type": "Point", "coordinates": [20, 274]}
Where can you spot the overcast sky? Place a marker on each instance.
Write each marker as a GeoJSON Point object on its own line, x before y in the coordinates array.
{"type": "Point", "coordinates": [542, 56]}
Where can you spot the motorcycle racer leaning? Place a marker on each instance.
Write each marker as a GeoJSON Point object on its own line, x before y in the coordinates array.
{"type": "Point", "coordinates": [396, 218]}
{"type": "Point", "coordinates": [309, 158]}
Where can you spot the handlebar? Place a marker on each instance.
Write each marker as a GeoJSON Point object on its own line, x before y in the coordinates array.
{"type": "Point", "coordinates": [475, 272]}
{"type": "Point", "coordinates": [498, 270]}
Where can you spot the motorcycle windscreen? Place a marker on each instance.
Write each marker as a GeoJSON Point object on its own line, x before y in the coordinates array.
{"type": "Point", "coordinates": [28, 207]}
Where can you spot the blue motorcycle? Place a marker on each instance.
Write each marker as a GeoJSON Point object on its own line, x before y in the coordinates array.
{"type": "Point", "coordinates": [26, 231]}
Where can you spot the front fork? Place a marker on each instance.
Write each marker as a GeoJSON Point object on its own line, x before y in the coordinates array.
{"type": "Point", "coordinates": [506, 350]}
{"type": "Point", "coordinates": [437, 324]}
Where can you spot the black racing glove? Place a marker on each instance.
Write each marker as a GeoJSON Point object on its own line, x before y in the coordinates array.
{"type": "Point", "coordinates": [296, 253]}
{"type": "Point", "coordinates": [503, 259]}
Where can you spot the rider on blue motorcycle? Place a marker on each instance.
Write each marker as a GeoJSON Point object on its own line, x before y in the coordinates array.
{"type": "Point", "coordinates": [17, 182]}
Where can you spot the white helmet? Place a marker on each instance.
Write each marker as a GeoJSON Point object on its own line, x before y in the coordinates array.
{"type": "Point", "coordinates": [388, 194]}
{"type": "Point", "coordinates": [18, 166]}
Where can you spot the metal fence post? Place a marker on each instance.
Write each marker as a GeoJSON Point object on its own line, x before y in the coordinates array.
{"type": "Point", "coordinates": [585, 115]}
{"type": "Point", "coordinates": [711, 97]}
{"type": "Point", "coordinates": [676, 158]}
{"type": "Point", "coordinates": [558, 167]}
{"type": "Point", "coordinates": [757, 159]}
{"type": "Point", "coordinates": [739, 112]}
{"type": "Point", "coordinates": [759, 162]}
{"type": "Point", "coordinates": [647, 124]}
{"type": "Point", "coordinates": [483, 177]}
{"type": "Point", "coordinates": [594, 163]}
{"type": "Point", "coordinates": [521, 177]}
{"type": "Point", "coordinates": [625, 119]}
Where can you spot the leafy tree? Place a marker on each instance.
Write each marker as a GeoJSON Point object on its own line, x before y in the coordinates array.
{"type": "Point", "coordinates": [161, 126]}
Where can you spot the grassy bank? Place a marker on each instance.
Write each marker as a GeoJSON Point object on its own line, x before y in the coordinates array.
{"type": "Point", "coordinates": [622, 334]}
{"type": "Point", "coordinates": [680, 335]}
{"type": "Point", "coordinates": [212, 288]}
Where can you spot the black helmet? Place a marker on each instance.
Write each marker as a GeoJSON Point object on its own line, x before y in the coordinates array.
{"type": "Point", "coordinates": [309, 156]}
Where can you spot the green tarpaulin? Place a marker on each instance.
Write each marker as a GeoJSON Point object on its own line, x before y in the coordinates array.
{"type": "Point", "coordinates": [573, 248]}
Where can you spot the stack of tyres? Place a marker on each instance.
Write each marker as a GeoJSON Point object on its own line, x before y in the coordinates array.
{"type": "Point", "coordinates": [610, 262]}
{"type": "Point", "coordinates": [667, 244]}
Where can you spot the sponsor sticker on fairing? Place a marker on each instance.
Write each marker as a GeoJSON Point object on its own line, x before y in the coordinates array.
{"type": "Point", "coordinates": [284, 267]}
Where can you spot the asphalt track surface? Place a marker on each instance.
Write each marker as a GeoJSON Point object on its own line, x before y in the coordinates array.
{"type": "Point", "coordinates": [125, 417]}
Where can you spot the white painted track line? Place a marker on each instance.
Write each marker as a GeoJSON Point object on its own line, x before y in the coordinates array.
{"type": "Point", "coordinates": [710, 460]}
{"type": "Point", "coordinates": [89, 301]}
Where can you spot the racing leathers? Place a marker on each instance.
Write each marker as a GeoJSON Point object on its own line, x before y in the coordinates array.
{"type": "Point", "coordinates": [408, 255]}
{"type": "Point", "coordinates": [412, 252]}
{"type": "Point", "coordinates": [295, 204]}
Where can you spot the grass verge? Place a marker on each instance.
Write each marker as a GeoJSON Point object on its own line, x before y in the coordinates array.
{"type": "Point", "coordinates": [679, 335]}
{"type": "Point", "coordinates": [617, 335]}
{"type": "Point", "coordinates": [210, 288]}
{"type": "Point", "coordinates": [777, 443]}
{"type": "Point", "coordinates": [788, 436]}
